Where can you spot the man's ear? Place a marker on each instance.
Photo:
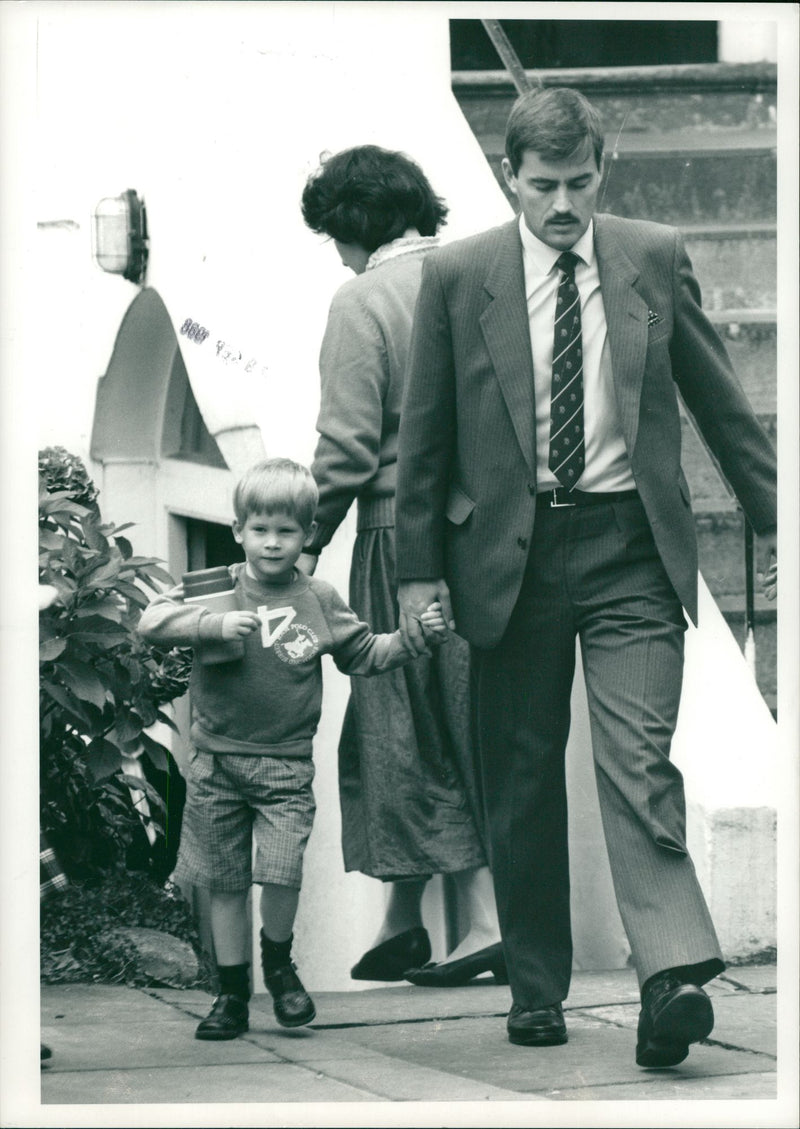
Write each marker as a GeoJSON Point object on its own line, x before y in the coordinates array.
{"type": "Point", "coordinates": [508, 174]}
{"type": "Point", "coordinates": [237, 531]}
{"type": "Point", "coordinates": [312, 529]}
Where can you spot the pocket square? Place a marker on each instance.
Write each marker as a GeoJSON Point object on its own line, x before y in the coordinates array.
{"type": "Point", "coordinates": [653, 318]}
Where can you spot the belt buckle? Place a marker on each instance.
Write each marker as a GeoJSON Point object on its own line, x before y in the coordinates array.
{"type": "Point", "coordinates": [556, 505]}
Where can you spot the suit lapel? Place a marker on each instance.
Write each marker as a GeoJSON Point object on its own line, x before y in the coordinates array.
{"type": "Point", "coordinates": [506, 332]}
{"type": "Point", "coordinates": [626, 318]}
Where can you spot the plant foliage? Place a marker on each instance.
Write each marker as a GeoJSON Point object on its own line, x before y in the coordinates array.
{"type": "Point", "coordinates": [78, 941]}
{"type": "Point", "coordinates": [101, 685]}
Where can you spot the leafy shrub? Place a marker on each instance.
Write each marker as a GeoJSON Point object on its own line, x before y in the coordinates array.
{"type": "Point", "coordinates": [101, 685]}
{"type": "Point", "coordinates": [76, 938]}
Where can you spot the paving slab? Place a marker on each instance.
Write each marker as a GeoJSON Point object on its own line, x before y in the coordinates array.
{"type": "Point", "coordinates": [397, 1043]}
{"type": "Point", "coordinates": [134, 1046]}
{"type": "Point", "coordinates": [755, 978]}
{"type": "Point", "coordinates": [390, 1079]}
{"type": "Point", "coordinates": [723, 1087]}
{"type": "Point", "coordinates": [237, 1083]}
{"type": "Point", "coordinates": [93, 1003]}
{"type": "Point", "coordinates": [750, 1024]}
{"type": "Point", "coordinates": [598, 1054]}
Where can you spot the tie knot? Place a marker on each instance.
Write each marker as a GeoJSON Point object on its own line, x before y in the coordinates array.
{"type": "Point", "coordinates": [567, 261]}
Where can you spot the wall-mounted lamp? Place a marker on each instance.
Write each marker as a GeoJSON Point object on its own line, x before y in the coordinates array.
{"type": "Point", "coordinates": [120, 236]}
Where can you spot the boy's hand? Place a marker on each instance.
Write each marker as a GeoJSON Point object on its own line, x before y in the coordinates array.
{"type": "Point", "coordinates": [434, 627]}
{"type": "Point", "coordinates": [236, 625]}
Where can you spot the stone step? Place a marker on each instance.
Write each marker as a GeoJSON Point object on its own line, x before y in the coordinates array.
{"type": "Point", "coordinates": [722, 185]}
{"type": "Point", "coordinates": [702, 97]}
{"type": "Point", "coordinates": [736, 267]}
{"type": "Point", "coordinates": [719, 165]}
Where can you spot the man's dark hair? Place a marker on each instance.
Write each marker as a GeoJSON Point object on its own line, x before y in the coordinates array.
{"type": "Point", "coordinates": [370, 196]}
{"type": "Point", "coordinates": [555, 123]}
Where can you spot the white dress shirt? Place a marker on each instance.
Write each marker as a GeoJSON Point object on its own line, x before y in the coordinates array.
{"type": "Point", "coordinates": [606, 464]}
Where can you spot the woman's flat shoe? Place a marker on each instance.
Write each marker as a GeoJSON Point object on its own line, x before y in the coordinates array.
{"type": "Point", "coordinates": [455, 973]}
{"type": "Point", "coordinates": [389, 960]}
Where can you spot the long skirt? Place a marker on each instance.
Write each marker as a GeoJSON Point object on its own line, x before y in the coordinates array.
{"type": "Point", "coordinates": [407, 787]}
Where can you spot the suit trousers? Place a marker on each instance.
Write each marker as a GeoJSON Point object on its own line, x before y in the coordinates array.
{"type": "Point", "coordinates": [592, 572]}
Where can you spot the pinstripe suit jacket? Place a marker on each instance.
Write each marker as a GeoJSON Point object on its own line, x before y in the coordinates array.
{"type": "Point", "coordinates": [467, 460]}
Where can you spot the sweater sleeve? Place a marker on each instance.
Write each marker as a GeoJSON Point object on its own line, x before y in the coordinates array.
{"type": "Point", "coordinates": [354, 378]}
{"type": "Point", "coordinates": [356, 649]}
{"type": "Point", "coordinates": [168, 620]}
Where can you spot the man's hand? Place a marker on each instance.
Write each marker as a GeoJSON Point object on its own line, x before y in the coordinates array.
{"type": "Point", "coordinates": [307, 562]}
{"type": "Point", "coordinates": [415, 598]}
{"type": "Point", "coordinates": [236, 625]}
{"type": "Point", "coordinates": [768, 564]}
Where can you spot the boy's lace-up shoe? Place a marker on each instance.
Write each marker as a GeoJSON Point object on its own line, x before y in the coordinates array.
{"type": "Point", "coordinates": [227, 1019]}
{"type": "Point", "coordinates": [674, 1014]}
{"type": "Point", "coordinates": [290, 1001]}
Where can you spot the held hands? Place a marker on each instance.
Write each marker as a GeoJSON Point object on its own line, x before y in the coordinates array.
{"type": "Point", "coordinates": [418, 598]}
{"type": "Point", "coordinates": [237, 625]}
{"type": "Point", "coordinates": [434, 628]}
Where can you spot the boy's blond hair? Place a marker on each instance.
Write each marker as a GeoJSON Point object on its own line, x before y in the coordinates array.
{"type": "Point", "coordinates": [277, 485]}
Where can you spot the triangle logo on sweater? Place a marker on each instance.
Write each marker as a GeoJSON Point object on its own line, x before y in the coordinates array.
{"type": "Point", "coordinates": [273, 623]}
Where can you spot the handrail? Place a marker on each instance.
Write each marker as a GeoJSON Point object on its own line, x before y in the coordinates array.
{"type": "Point", "coordinates": [509, 57]}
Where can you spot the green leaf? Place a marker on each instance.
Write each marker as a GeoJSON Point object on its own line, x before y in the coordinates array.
{"type": "Point", "coordinates": [124, 546]}
{"type": "Point", "coordinates": [49, 540]}
{"type": "Point", "coordinates": [133, 593]}
{"type": "Point", "coordinates": [82, 681]}
{"type": "Point", "coordinates": [103, 758]}
{"type": "Point", "coordinates": [62, 696]}
{"type": "Point", "coordinates": [60, 503]}
{"type": "Point", "coordinates": [50, 649]}
{"type": "Point", "coordinates": [107, 607]}
{"type": "Point", "coordinates": [127, 725]}
{"type": "Point", "coordinates": [104, 576]}
{"type": "Point", "coordinates": [157, 753]}
{"type": "Point", "coordinates": [165, 719]}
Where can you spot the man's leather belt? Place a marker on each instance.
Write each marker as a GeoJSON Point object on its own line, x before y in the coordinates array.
{"type": "Point", "coordinates": [561, 498]}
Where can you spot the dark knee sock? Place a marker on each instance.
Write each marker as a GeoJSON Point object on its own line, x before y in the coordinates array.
{"type": "Point", "coordinates": [274, 954]}
{"type": "Point", "coordinates": [234, 980]}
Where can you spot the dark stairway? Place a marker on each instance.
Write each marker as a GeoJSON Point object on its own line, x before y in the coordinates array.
{"type": "Point", "coordinates": [693, 146]}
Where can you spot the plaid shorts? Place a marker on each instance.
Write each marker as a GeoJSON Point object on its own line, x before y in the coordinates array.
{"type": "Point", "coordinates": [234, 801]}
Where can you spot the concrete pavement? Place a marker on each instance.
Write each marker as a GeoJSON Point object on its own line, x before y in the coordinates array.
{"type": "Point", "coordinates": [398, 1044]}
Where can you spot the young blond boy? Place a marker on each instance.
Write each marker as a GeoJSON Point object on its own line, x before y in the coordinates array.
{"type": "Point", "coordinates": [254, 716]}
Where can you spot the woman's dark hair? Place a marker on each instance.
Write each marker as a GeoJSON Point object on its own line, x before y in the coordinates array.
{"type": "Point", "coordinates": [554, 123]}
{"type": "Point", "coordinates": [370, 196]}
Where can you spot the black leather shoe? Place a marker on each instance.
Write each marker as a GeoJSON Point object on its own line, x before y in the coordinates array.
{"type": "Point", "coordinates": [673, 1015]}
{"type": "Point", "coordinates": [290, 1001]}
{"type": "Point", "coordinates": [390, 960]}
{"type": "Point", "coordinates": [227, 1019]}
{"type": "Point", "coordinates": [454, 973]}
{"type": "Point", "coordinates": [540, 1027]}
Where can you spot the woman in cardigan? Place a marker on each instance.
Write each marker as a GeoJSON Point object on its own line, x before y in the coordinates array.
{"type": "Point", "coordinates": [407, 786]}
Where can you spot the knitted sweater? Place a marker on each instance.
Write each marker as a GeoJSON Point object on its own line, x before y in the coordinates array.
{"type": "Point", "coordinates": [268, 703]}
{"type": "Point", "coordinates": [362, 369]}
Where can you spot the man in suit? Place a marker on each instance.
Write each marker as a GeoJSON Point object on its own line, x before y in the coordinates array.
{"type": "Point", "coordinates": [540, 496]}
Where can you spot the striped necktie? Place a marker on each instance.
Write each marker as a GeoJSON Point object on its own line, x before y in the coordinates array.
{"type": "Point", "coordinates": [566, 456]}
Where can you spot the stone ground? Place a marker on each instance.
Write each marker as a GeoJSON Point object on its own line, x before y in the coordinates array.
{"type": "Point", "coordinates": [120, 1047]}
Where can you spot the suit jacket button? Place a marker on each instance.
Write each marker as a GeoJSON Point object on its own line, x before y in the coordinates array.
{"type": "Point", "coordinates": [531, 488]}
{"type": "Point", "coordinates": [523, 544]}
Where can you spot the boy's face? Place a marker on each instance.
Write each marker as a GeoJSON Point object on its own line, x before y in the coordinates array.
{"type": "Point", "coordinates": [272, 543]}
